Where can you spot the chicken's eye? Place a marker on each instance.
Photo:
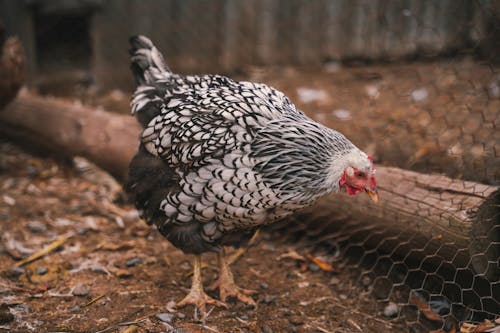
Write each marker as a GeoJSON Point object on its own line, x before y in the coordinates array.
{"type": "Point", "coordinates": [360, 174]}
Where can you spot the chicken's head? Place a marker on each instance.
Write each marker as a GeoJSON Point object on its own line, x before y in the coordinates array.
{"type": "Point", "coordinates": [359, 176]}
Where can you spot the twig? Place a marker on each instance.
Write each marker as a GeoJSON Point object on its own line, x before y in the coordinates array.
{"type": "Point", "coordinates": [321, 329]}
{"type": "Point", "coordinates": [245, 322]}
{"type": "Point", "coordinates": [235, 256]}
{"type": "Point", "coordinates": [92, 301]}
{"type": "Point", "coordinates": [57, 294]}
{"type": "Point", "coordinates": [127, 323]}
{"type": "Point", "coordinates": [15, 288]}
{"type": "Point", "coordinates": [210, 328]}
{"type": "Point", "coordinates": [317, 300]}
{"type": "Point", "coordinates": [49, 248]}
{"type": "Point", "coordinates": [364, 314]}
{"type": "Point", "coordinates": [354, 324]}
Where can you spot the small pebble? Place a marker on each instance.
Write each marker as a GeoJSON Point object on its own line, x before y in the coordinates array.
{"type": "Point", "coordinates": [244, 317]}
{"type": "Point", "coordinates": [41, 270]}
{"type": "Point", "coordinates": [81, 231]}
{"type": "Point", "coordinates": [391, 310]}
{"type": "Point", "coordinates": [372, 91]}
{"type": "Point", "coordinates": [268, 299]}
{"type": "Point", "coordinates": [264, 285]}
{"type": "Point", "coordinates": [266, 329]}
{"type": "Point", "coordinates": [133, 262]}
{"type": "Point", "coordinates": [181, 315]}
{"type": "Point", "coordinates": [313, 267]}
{"type": "Point", "coordinates": [74, 309]}
{"type": "Point", "coordinates": [9, 200]}
{"type": "Point", "coordinates": [308, 95]}
{"type": "Point", "coordinates": [419, 95]}
{"type": "Point", "coordinates": [80, 290]}
{"type": "Point", "coordinates": [342, 114]}
{"type": "Point", "coordinates": [343, 297]}
{"type": "Point", "coordinates": [165, 317]}
{"type": "Point", "coordinates": [494, 88]}
{"type": "Point", "coordinates": [131, 216]}
{"type": "Point", "coordinates": [37, 226]}
{"type": "Point", "coordinates": [17, 271]}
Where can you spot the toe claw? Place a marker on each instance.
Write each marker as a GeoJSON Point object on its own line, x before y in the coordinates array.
{"type": "Point", "coordinates": [200, 301]}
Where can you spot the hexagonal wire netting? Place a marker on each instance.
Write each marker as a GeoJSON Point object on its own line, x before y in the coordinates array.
{"type": "Point", "coordinates": [418, 273]}
{"type": "Point", "coordinates": [429, 283]}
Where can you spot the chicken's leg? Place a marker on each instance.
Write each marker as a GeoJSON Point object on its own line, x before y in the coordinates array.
{"type": "Point", "coordinates": [197, 295]}
{"type": "Point", "coordinates": [226, 285]}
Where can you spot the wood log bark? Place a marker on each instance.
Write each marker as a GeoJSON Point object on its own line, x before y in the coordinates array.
{"type": "Point", "coordinates": [430, 218]}
{"type": "Point", "coordinates": [452, 213]}
{"type": "Point", "coordinates": [68, 129]}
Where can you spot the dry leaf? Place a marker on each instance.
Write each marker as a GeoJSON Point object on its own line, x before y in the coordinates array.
{"type": "Point", "coordinates": [118, 247]}
{"type": "Point", "coordinates": [132, 329]}
{"type": "Point", "coordinates": [424, 308]}
{"type": "Point", "coordinates": [321, 264]}
{"type": "Point", "coordinates": [292, 255]}
{"type": "Point", "coordinates": [122, 273]}
{"type": "Point", "coordinates": [476, 328]}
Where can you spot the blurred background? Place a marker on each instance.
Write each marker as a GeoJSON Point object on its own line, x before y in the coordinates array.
{"type": "Point", "coordinates": [84, 41]}
{"type": "Point", "coordinates": [415, 83]}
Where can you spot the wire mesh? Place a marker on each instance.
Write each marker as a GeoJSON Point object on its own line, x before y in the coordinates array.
{"type": "Point", "coordinates": [436, 109]}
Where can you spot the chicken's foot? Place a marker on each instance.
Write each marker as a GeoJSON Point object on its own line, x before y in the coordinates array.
{"type": "Point", "coordinates": [197, 295]}
{"type": "Point", "coordinates": [226, 285]}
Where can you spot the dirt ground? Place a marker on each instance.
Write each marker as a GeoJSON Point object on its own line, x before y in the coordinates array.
{"type": "Point", "coordinates": [113, 273]}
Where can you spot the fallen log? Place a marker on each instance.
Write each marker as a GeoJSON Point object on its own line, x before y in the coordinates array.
{"type": "Point", "coordinates": [429, 218]}
{"type": "Point", "coordinates": [69, 129]}
{"type": "Point", "coordinates": [454, 214]}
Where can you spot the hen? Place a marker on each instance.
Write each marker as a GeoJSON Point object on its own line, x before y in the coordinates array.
{"type": "Point", "coordinates": [219, 158]}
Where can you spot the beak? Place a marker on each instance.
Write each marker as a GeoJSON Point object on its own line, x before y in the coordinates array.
{"type": "Point", "coordinates": [373, 194]}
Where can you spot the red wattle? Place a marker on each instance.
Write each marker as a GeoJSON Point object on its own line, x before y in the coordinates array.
{"type": "Point", "coordinates": [352, 190]}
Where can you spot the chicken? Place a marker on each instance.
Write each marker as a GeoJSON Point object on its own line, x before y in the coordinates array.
{"type": "Point", "coordinates": [12, 67]}
{"type": "Point", "coordinates": [219, 158]}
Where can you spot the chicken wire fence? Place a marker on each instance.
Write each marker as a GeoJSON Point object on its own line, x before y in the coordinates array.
{"type": "Point", "coordinates": [436, 110]}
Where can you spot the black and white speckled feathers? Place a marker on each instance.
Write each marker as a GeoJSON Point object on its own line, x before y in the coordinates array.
{"type": "Point", "coordinates": [223, 156]}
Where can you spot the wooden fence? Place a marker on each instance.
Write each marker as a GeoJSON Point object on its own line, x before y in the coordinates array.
{"type": "Point", "coordinates": [224, 35]}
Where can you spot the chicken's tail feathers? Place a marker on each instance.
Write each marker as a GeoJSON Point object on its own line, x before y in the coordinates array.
{"type": "Point", "coordinates": [147, 63]}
